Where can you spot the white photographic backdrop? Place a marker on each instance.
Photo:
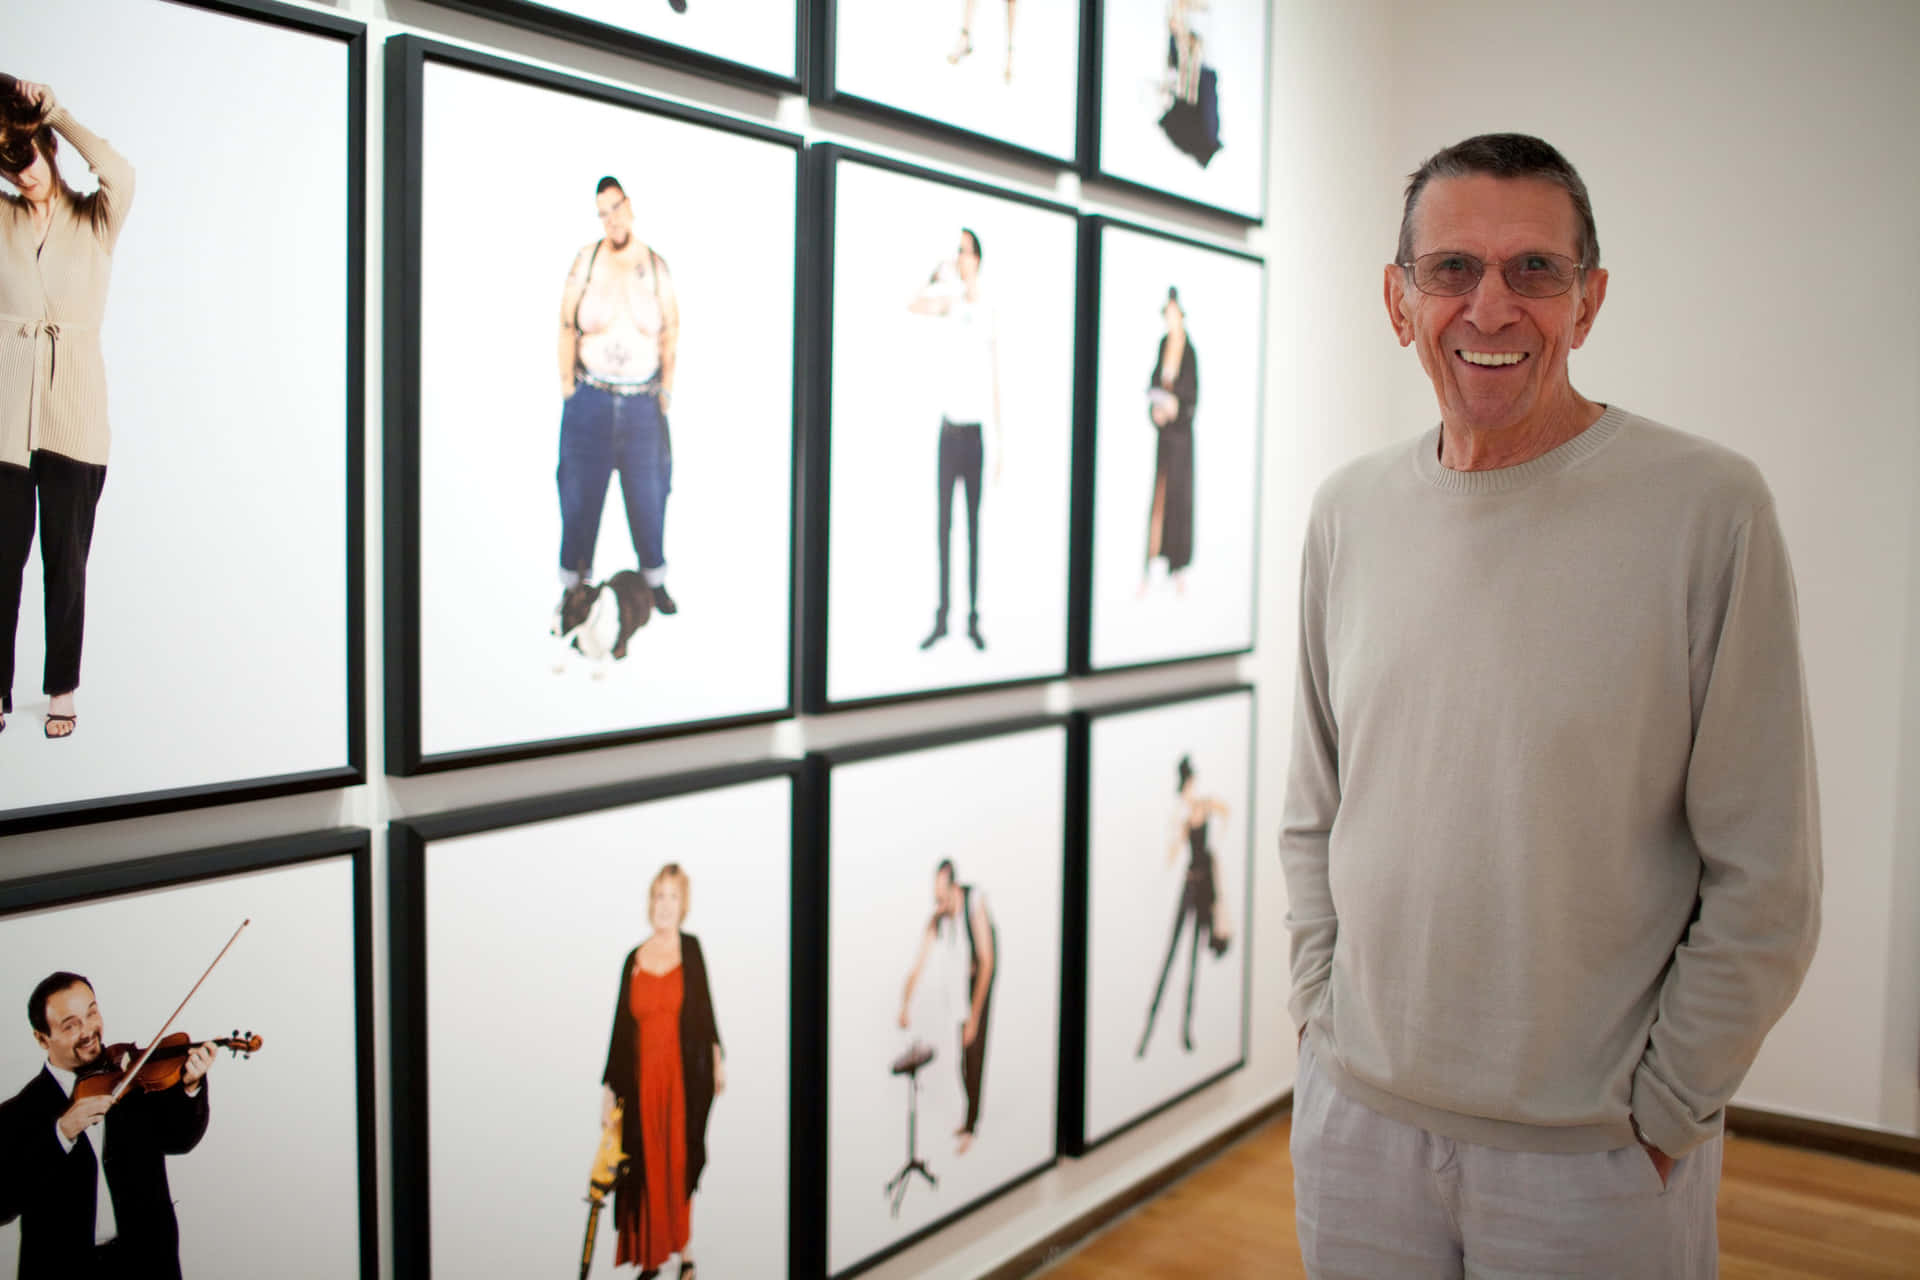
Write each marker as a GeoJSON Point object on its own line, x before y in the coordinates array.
{"type": "Point", "coordinates": [763, 34]}
{"type": "Point", "coordinates": [522, 973]}
{"type": "Point", "coordinates": [1137, 865]}
{"type": "Point", "coordinates": [216, 630]}
{"type": "Point", "coordinates": [1134, 83]}
{"type": "Point", "coordinates": [901, 55]}
{"type": "Point", "coordinates": [284, 1124]}
{"type": "Point", "coordinates": [891, 231]}
{"type": "Point", "coordinates": [1140, 619]}
{"type": "Point", "coordinates": [995, 807]}
{"type": "Point", "coordinates": [719, 209]}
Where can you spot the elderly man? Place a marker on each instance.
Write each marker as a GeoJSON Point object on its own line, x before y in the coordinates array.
{"type": "Point", "coordinates": [1551, 832]}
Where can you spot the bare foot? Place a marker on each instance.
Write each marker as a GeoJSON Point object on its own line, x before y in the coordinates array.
{"type": "Point", "coordinates": [960, 1147]}
{"type": "Point", "coordinates": [961, 47]}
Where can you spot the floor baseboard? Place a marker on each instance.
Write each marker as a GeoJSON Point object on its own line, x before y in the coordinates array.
{"type": "Point", "coordinates": [1872, 1145]}
{"type": "Point", "coordinates": [1061, 1240]}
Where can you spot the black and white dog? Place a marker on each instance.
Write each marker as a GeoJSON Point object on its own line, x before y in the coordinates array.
{"type": "Point", "coordinates": [596, 619]}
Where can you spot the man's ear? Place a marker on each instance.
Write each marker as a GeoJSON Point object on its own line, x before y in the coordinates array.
{"type": "Point", "coordinates": [1398, 311]}
{"type": "Point", "coordinates": [40, 1039]}
{"type": "Point", "coordinates": [1593, 292]}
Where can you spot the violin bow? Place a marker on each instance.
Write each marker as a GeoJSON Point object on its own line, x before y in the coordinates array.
{"type": "Point", "coordinates": [155, 1042]}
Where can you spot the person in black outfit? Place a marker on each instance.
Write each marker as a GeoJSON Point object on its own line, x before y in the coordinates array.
{"type": "Point", "coordinates": [1198, 899]}
{"type": "Point", "coordinates": [960, 906]}
{"type": "Point", "coordinates": [970, 399]}
{"type": "Point", "coordinates": [1173, 392]}
{"type": "Point", "coordinates": [1192, 118]}
{"type": "Point", "coordinates": [53, 1149]}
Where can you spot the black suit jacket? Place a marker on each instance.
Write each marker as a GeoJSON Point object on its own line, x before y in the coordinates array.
{"type": "Point", "coordinates": [52, 1190]}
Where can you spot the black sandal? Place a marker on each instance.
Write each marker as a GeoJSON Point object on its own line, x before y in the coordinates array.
{"type": "Point", "coordinates": [52, 719]}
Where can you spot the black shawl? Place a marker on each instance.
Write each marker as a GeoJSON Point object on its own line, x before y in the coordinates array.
{"type": "Point", "coordinates": [699, 1036]}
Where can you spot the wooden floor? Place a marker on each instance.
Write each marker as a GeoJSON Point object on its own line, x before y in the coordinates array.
{"type": "Point", "coordinates": [1784, 1214]}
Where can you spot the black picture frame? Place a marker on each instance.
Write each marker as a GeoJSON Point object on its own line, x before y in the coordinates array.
{"type": "Point", "coordinates": [407, 844]}
{"type": "Point", "coordinates": [1081, 660]}
{"type": "Point", "coordinates": [184, 869]}
{"type": "Point", "coordinates": [1093, 132]}
{"type": "Point", "coordinates": [352, 37]}
{"type": "Point", "coordinates": [822, 766]}
{"type": "Point", "coordinates": [406, 59]}
{"type": "Point", "coordinates": [550, 20]}
{"type": "Point", "coordinates": [816, 696]}
{"type": "Point", "coordinates": [1075, 1139]}
{"type": "Point", "coordinates": [823, 90]}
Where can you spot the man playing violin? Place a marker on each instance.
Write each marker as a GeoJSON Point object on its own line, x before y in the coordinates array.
{"type": "Point", "coordinates": [88, 1178]}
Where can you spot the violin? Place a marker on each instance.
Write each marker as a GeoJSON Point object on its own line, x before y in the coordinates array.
{"type": "Point", "coordinates": [156, 1069]}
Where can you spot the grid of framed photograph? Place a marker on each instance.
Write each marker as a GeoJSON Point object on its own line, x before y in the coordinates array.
{"type": "Point", "coordinates": [535, 605]}
{"type": "Point", "coordinates": [631, 1130]}
{"type": "Point", "coordinates": [752, 42]}
{"type": "Point", "coordinates": [950, 308]}
{"type": "Point", "coordinates": [944, 930]}
{"type": "Point", "coordinates": [1168, 831]}
{"type": "Point", "coordinates": [956, 68]}
{"type": "Point", "coordinates": [259, 1090]}
{"type": "Point", "coordinates": [1179, 103]}
{"type": "Point", "coordinates": [1169, 460]}
{"type": "Point", "coordinates": [220, 572]}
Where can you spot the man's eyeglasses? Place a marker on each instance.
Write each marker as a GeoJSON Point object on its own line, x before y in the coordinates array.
{"type": "Point", "coordinates": [1531, 275]}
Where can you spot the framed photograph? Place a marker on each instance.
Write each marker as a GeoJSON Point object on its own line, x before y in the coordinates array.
{"type": "Point", "coordinates": [189, 633]}
{"type": "Point", "coordinates": [1168, 510]}
{"type": "Point", "coordinates": [200, 1024]}
{"type": "Point", "coordinates": [950, 308]}
{"type": "Point", "coordinates": [1179, 105]}
{"type": "Point", "coordinates": [944, 901]}
{"type": "Point", "coordinates": [642, 1129]}
{"type": "Point", "coordinates": [1161, 918]}
{"type": "Point", "coordinates": [1005, 73]}
{"type": "Point", "coordinates": [758, 43]}
{"type": "Point", "coordinates": [591, 414]}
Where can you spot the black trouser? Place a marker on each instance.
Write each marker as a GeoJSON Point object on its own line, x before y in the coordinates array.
{"type": "Point", "coordinates": [960, 456]}
{"type": "Point", "coordinates": [973, 1057]}
{"type": "Point", "coordinates": [67, 493]}
{"type": "Point", "coordinates": [1195, 901]}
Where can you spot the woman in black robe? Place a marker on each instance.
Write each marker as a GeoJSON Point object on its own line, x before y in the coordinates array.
{"type": "Point", "coordinates": [1173, 391]}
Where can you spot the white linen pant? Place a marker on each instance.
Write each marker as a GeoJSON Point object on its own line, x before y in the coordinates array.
{"type": "Point", "coordinates": [1380, 1200]}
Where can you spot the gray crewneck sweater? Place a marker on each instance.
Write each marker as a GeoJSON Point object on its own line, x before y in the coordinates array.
{"type": "Point", "coordinates": [1551, 834]}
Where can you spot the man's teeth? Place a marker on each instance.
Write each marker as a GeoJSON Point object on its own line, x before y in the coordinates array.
{"type": "Point", "coordinates": [1493, 357]}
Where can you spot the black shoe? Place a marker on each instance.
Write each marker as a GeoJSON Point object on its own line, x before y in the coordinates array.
{"type": "Point", "coordinates": [973, 632]}
{"type": "Point", "coordinates": [1219, 945]}
{"type": "Point", "coordinates": [679, 6]}
{"type": "Point", "coordinates": [939, 630]}
{"type": "Point", "coordinates": [664, 602]}
{"type": "Point", "coordinates": [686, 1264]}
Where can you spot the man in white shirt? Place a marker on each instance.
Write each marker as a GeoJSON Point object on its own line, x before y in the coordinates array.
{"type": "Point", "coordinates": [88, 1178]}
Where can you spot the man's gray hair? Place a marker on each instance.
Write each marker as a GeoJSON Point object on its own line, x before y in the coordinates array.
{"type": "Point", "coordinates": [1502, 155]}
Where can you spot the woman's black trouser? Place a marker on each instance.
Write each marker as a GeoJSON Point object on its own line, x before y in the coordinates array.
{"type": "Point", "coordinates": [65, 493]}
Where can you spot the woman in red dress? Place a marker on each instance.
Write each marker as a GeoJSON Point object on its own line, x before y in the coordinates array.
{"type": "Point", "coordinates": [664, 1067]}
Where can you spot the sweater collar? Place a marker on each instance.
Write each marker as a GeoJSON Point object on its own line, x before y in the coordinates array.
{"type": "Point", "coordinates": [1426, 459]}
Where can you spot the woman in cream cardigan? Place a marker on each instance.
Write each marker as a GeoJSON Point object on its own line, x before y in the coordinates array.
{"type": "Point", "coordinates": [56, 254]}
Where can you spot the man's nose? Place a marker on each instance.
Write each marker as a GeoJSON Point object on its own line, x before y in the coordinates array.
{"type": "Point", "coordinates": [1492, 305]}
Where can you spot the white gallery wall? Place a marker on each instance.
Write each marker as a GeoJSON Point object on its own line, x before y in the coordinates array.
{"type": "Point", "coordinates": [1756, 176]}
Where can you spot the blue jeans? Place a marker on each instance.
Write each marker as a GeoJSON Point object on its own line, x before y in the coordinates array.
{"type": "Point", "coordinates": [601, 433]}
